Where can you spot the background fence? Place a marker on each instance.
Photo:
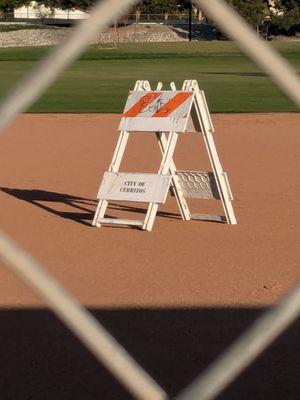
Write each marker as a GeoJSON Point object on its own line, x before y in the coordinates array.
{"type": "Point", "coordinates": [30, 15]}
{"type": "Point", "coordinates": [90, 332]}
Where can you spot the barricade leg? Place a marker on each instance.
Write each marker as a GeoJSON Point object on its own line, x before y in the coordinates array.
{"type": "Point", "coordinates": [182, 204]}
{"type": "Point", "coordinates": [114, 167]}
{"type": "Point", "coordinates": [220, 175]}
{"type": "Point", "coordinates": [163, 169]}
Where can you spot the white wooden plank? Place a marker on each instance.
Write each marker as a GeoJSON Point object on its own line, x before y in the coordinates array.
{"type": "Point", "coordinates": [163, 169]}
{"type": "Point", "coordinates": [198, 184]}
{"type": "Point", "coordinates": [142, 109]}
{"type": "Point", "coordinates": [114, 166]}
{"type": "Point", "coordinates": [117, 221]}
{"type": "Point", "coordinates": [151, 124]}
{"type": "Point", "coordinates": [207, 217]}
{"type": "Point", "coordinates": [100, 211]}
{"type": "Point", "coordinates": [119, 151]}
{"type": "Point", "coordinates": [147, 103]}
{"type": "Point", "coordinates": [146, 188]}
{"type": "Point", "coordinates": [182, 204]}
{"type": "Point", "coordinates": [207, 127]}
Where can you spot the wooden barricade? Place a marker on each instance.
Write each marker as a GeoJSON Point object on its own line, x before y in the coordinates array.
{"type": "Point", "coordinates": [167, 113]}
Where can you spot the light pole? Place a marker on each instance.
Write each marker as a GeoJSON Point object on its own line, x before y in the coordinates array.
{"type": "Point", "coordinates": [190, 21]}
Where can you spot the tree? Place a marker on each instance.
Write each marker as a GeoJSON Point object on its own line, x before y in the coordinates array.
{"type": "Point", "coordinates": [145, 6]}
{"type": "Point", "coordinates": [7, 6]}
{"type": "Point", "coordinates": [184, 4]}
{"type": "Point", "coordinates": [254, 11]}
{"type": "Point", "coordinates": [287, 15]}
{"type": "Point", "coordinates": [82, 5]}
{"type": "Point", "coordinates": [287, 5]}
{"type": "Point", "coordinates": [159, 6]}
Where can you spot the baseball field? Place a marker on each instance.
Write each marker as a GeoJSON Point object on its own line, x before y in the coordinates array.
{"type": "Point", "coordinates": [99, 81]}
{"type": "Point", "coordinates": [175, 297]}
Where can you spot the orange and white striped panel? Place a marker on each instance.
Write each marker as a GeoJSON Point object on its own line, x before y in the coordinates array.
{"type": "Point", "coordinates": [157, 111]}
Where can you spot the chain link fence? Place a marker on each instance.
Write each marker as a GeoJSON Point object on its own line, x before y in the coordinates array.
{"type": "Point", "coordinates": [92, 334]}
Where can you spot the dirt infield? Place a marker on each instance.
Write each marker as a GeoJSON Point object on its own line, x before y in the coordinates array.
{"type": "Point", "coordinates": [180, 273]}
{"type": "Point", "coordinates": [51, 167]}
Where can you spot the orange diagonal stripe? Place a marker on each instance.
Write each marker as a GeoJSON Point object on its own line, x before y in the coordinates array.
{"type": "Point", "coordinates": [143, 103]}
{"type": "Point", "coordinates": [172, 104]}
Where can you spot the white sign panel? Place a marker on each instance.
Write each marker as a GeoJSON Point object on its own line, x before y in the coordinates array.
{"type": "Point", "coordinates": [149, 188]}
{"type": "Point", "coordinates": [157, 111]}
{"type": "Point", "coordinates": [198, 185]}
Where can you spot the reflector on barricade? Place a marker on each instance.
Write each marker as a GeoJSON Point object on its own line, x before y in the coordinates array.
{"type": "Point", "coordinates": [172, 112]}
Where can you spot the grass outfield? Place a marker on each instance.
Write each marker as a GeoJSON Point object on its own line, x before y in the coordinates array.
{"type": "Point", "coordinates": [99, 81]}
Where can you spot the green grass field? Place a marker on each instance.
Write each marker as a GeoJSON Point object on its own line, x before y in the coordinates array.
{"type": "Point", "coordinates": [100, 80]}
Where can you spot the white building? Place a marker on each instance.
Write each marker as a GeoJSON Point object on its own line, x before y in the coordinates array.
{"type": "Point", "coordinates": [35, 11]}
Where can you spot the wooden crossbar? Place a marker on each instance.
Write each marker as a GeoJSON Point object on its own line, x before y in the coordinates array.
{"type": "Point", "coordinates": [119, 221]}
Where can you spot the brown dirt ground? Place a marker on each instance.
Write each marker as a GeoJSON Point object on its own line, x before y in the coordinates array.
{"type": "Point", "coordinates": [55, 163]}
{"type": "Point", "coordinates": [51, 167]}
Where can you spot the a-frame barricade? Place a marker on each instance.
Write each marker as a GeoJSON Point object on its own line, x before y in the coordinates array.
{"type": "Point", "coordinates": [167, 114]}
